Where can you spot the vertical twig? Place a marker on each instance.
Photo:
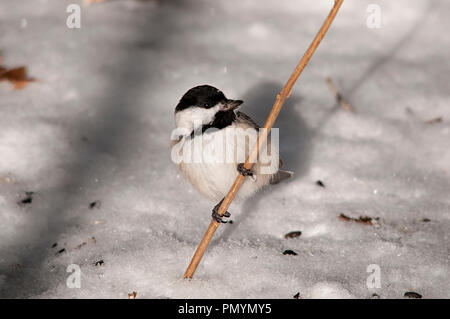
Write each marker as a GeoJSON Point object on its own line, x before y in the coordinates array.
{"type": "Point", "coordinates": [281, 97]}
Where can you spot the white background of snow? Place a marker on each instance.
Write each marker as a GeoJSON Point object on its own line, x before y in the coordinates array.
{"type": "Point", "coordinates": [96, 126]}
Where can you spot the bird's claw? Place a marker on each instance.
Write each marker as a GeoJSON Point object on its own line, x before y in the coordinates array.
{"type": "Point", "coordinates": [215, 214]}
{"type": "Point", "coordinates": [243, 171]}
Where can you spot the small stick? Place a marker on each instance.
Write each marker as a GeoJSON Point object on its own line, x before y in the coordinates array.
{"type": "Point", "coordinates": [435, 120]}
{"type": "Point", "coordinates": [344, 104]}
{"type": "Point", "coordinates": [281, 97]}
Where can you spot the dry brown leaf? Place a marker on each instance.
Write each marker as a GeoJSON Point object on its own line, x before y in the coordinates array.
{"type": "Point", "coordinates": [293, 234]}
{"type": "Point", "coordinates": [435, 120]}
{"type": "Point", "coordinates": [362, 219]}
{"type": "Point", "coordinates": [412, 294]}
{"type": "Point", "coordinates": [16, 76]}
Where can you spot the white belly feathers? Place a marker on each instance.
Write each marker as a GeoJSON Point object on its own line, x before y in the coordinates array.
{"type": "Point", "coordinates": [209, 161]}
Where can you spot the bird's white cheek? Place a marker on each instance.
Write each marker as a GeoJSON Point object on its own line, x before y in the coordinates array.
{"type": "Point", "coordinates": [195, 116]}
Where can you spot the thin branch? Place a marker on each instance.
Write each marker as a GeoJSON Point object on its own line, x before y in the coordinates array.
{"type": "Point", "coordinates": [281, 97]}
{"type": "Point", "coordinates": [339, 98]}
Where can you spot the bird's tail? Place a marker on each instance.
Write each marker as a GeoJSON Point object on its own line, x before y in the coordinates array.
{"type": "Point", "coordinates": [280, 176]}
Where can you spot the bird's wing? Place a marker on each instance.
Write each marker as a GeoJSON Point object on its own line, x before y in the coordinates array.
{"type": "Point", "coordinates": [243, 118]}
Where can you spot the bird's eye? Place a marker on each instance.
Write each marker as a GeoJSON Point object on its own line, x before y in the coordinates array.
{"type": "Point", "coordinates": [206, 105]}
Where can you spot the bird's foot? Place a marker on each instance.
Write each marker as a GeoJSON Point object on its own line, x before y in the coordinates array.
{"type": "Point", "coordinates": [243, 171]}
{"type": "Point", "coordinates": [215, 213]}
{"type": "Point", "coordinates": [246, 172]}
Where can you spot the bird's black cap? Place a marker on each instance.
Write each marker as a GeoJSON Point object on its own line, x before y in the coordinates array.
{"type": "Point", "coordinates": [205, 96]}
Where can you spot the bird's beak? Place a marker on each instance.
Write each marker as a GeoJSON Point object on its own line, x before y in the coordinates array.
{"type": "Point", "coordinates": [231, 105]}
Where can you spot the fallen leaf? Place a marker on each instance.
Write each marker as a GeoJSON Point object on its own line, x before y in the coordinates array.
{"type": "Point", "coordinates": [289, 252]}
{"type": "Point", "coordinates": [412, 294]}
{"type": "Point", "coordinates": [362, 219]}
{"type": "Point", "coordinates": [344, 217]}
{"type": "Point", "coordinates": [16, 76]}
{"type": "Point", "coordinates": [27, 200]}
{"type": "Point", "coordinates": [320, 183]}
{"type": "Point", "coordinates": [293, 234]}
{"type": "Point", "coordinates": [435, 120]}
{"type": "Point", "coordinates": [96, 204]}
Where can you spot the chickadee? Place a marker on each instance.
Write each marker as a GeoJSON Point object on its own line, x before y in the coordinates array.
{"type": "Point", "coordinates": [211, 142]}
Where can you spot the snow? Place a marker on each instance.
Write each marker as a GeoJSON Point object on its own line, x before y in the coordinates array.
{"type": "Point", "coordinates": [96, 127]}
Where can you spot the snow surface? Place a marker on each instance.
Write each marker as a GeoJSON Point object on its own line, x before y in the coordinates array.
{"type": "Point", "coordinates": [96, 127]}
